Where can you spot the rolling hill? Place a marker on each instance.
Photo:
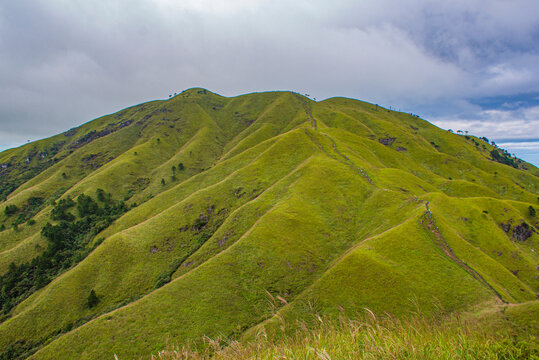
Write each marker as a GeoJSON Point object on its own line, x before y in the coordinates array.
{"type": "Point", "coordinates": [175, 219]}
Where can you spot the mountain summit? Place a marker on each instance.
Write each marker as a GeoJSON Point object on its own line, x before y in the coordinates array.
{"type": "Point", "coordinates": [206, 215]}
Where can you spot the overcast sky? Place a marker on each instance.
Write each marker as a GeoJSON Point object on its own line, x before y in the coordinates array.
{"type": "Point", "coordinates": [461, 64]}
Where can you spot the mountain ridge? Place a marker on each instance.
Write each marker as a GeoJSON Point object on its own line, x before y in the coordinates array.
{"type": "Point", "coordinates": [319, 203]}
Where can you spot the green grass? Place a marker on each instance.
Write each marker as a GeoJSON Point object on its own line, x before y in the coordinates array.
{"type": "Point", "coordinates": [366, 336]}
{"type": "Point", "coordinates": [327, 218]}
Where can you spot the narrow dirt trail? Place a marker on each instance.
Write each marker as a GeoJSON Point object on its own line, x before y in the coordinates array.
{"type": "Point", "coordinates": [309, 113]}
{"type": "Point", "coordinates": [347, 160]}
{"type": "Point", "coordinates": [427, 220]}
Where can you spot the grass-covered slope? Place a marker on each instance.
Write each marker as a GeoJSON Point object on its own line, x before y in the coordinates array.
{"type": "Point", "coordinates": [497, 332]}
{"type": "Point", "coordinates": [329, 206]}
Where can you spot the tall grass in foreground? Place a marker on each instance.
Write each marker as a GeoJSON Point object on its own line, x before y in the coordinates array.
{"type": "Point", "coordinates": [372, 338]}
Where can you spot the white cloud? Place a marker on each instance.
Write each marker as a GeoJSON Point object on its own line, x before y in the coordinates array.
{"type": "Point", "coordinates": [529, 145]}
{"type": "Point", "coordinates": [64, 62]}
{"type": "Point", "coordinates": [501, 124]}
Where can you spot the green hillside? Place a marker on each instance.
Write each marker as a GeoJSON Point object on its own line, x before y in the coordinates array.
{"type": "Point", "coordinates": [494, 332]}
{"type": "Point", "coordinates": [175, 219]}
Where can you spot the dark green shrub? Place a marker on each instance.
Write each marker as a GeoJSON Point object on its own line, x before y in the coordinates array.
{"type": "Point", "coordinates": [162, 279]}
{"type": "Point", "coordinates": [34, 202]}
{"type": "Point", "coordinates": [100, 195]}
{"type": "Point", "coordinates": [86, 206]}
{"type": "Point", "coordinates": [10, 210]}
{"type": "Point", "coordinates": [59, 212]}
{"type": "Point", "coordinates": [199, 223]}
{"type": "Point", "coordinates": [93, 300]}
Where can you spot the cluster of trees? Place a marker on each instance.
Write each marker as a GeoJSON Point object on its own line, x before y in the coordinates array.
{"type": "Point", "coordinates": [28, 210]}
{"type": "Point", "coordinates": [10, 210]}
{"type": "Point", "coordinates": [500, 155]}
{"type": "Point", "coordinates": [67, 242]}
{"type": "Point", "coordinates": [504, 157]}
{"type": "Point", "coordinates": [181, 167]}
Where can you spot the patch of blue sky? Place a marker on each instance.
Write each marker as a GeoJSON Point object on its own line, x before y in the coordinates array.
{"type": "Point", "coordinates": [525, 149]}
{"type": "Point", "coordinates": [508, 102]}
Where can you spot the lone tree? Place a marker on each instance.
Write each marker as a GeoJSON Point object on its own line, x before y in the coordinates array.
{"type": "Point", "coordinates": [93, 300]}
{"type": "Point", "coordinates": [180, 166]}
{"type": "Point", "coordinates": [531, 209]}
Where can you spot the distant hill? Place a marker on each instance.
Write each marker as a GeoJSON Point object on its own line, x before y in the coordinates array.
{"type": "Point", "coordinates": [206, 215]}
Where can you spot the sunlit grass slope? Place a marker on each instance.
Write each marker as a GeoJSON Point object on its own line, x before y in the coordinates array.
{"type": "Point", "coordinates": [328, 206]}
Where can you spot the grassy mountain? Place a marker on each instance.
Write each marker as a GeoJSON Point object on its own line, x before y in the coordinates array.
{"type": "Point", "coordinates": [175, 219]}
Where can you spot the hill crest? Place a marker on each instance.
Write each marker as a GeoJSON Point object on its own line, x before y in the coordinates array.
{"type": "Point", "coordinates": [185, 213]}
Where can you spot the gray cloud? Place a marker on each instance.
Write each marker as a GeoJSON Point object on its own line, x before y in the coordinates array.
{"type": "Point", "coordinates": [64, 62]}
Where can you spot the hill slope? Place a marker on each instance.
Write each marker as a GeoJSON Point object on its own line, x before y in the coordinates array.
{"type": "Point", "coordinates": [200, 206]}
